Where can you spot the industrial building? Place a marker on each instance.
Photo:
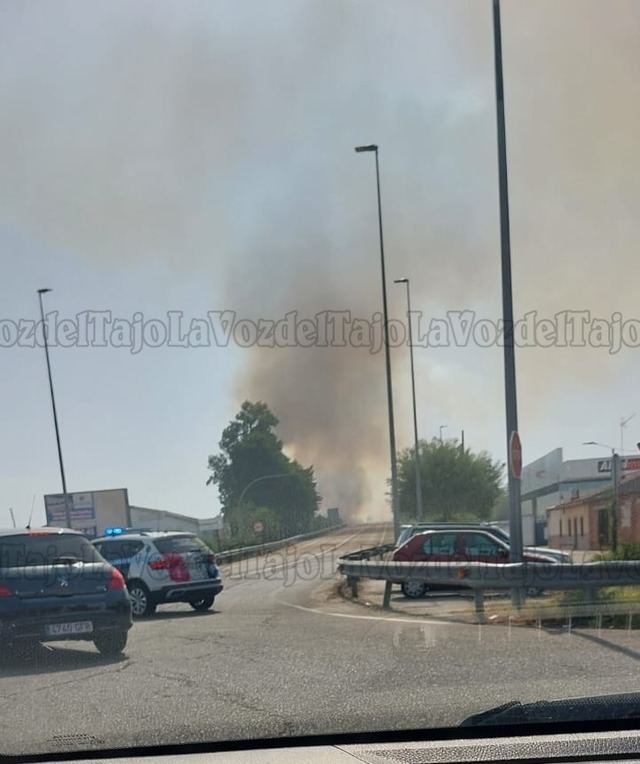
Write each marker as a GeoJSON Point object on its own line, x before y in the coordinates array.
{"type": "Point", "coordinates": [93, 511]}
{"type": "Point", "coordinates": [550, 481]}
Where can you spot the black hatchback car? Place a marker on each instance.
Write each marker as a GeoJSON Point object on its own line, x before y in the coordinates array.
{"type": "Point", "coordinates": [54, 585]}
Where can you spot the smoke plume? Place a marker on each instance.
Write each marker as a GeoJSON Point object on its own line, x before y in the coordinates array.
{"type": "Point", "coordinates": [218, 138]}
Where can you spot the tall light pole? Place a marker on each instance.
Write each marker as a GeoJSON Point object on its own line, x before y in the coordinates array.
{"type": "Point", "coordinates": [392, 429]}
{"type": "Point", "coordinates": [53, 407]}
{"type": "Point", "coordinates": [615, 485]}
{"type": "Point", "coordinates": [419, 517]}
{"type": "Point", "coordinates": [511, 405]}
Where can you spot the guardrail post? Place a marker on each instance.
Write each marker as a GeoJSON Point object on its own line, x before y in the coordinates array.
{"type": "Point", "coordinates": [353, 585]}
{"type": "Point", "coordinates": [478, 599]}
{"type": "Point", "coordinates": [386, 600]}
{"type": "Point", "coordinates": [517, 598]}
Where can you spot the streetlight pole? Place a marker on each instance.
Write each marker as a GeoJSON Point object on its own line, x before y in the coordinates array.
{"type": "Point", "coordinates": [615, 488]}
{"type": "Point", "coordinates": [419, 517]}
{"type": "Point", "coordinates": [511, 405]}
{"type": "Point", "coordinates": [53, 408]}
{"type": "Point", "coordinates": [392, 430]}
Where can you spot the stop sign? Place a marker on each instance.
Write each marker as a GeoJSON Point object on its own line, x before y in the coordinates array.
{"type": "Point", "coordinates": [515, 454]}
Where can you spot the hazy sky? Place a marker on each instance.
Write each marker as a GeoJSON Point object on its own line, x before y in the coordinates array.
{"type": "Point", "coordinates": [196, 156]}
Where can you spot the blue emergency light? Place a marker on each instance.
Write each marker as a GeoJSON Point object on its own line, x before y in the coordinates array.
{"type": "Point", "coordinates": [113, 531]}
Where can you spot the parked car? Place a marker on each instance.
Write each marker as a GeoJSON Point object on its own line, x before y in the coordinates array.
{"type": "Point", "coordinates": [54, 585]}
{"type": "Point", "coordinates": [163, 567]}
{"type": "Point", "coordinates": [407, 531]}
{"type": "Point", "coordinates": [455, 545]}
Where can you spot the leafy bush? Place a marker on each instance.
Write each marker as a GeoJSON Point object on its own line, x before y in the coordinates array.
{"type": "Point", "coordinates": [624, 552]}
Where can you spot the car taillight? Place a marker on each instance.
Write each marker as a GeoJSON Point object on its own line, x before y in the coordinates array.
{"type": "Point", "coordinates": [159, 564]}
{"type": "Point", "coordinates": [5, 591]}
{"type": "Point", "coordinates": [166, 562]}
{"type": "Point", "coordinates": [174, 563]}
{"type": "Point", "coordinates": [115, 582]}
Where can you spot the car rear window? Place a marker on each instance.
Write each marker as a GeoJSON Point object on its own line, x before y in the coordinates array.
{"type": "Point", "coordinates": [28, 550]}
{"type": "Point", "coordinates": [181, 545]}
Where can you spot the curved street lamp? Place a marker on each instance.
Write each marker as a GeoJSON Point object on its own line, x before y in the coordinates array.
{"type": "Point", "coordinates": [395, 509]}
{"type": "Point", "coordinates": [615, 485]}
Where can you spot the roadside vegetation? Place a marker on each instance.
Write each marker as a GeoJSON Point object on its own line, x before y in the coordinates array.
{"type": "Point", "coordinates": [458, 485]}
{"type": "Point", "coordinates": [619, 606]}
{"type": "Point", "coordinates": [264, 494]}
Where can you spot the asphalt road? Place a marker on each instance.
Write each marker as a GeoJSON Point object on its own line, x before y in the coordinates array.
{"type": "Point", "coordinates": [280, 656]}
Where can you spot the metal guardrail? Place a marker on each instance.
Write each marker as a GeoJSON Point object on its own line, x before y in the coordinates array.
{"type": "Point", "coordinates": [481, 577]}
{"type": "Point", "coordinates": [232, 555]}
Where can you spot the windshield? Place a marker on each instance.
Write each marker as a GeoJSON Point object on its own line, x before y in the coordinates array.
{"type": "Point", "coordinates": [31, 550]}
{"type": "Point", "coordinates": [500, 533]}
{"type": "Point", "coordinates": [284, 283]}
{"type": "Point", "coordinates": [405, 535]}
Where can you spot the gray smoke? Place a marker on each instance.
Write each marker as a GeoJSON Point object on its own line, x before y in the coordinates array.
{"type": "Point", "coordinates": [218, 138]}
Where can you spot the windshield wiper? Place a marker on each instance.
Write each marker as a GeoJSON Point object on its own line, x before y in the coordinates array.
{"type": "Point", "coordinates": [597, 707]}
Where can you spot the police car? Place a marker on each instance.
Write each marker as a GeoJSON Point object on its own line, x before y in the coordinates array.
{"type": "Point", "coordinates": [162, 567]}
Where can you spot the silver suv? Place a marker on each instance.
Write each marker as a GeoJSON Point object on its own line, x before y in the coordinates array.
{"type": "Point", "coordinates": [163, 567]}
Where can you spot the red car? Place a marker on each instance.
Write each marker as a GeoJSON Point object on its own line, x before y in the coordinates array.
{"type": "Point", "coordinates": [454, 546]}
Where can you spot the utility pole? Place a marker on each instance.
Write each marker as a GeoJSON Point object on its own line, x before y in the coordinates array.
{"type": "Point", "coordinates": [63, 479]}
{"type": "Point", "coordinates": [615, 489]}
{"type": "Point", "coordinates": [416, 440]}
{"type": "Point", "coordinates": [511, 404]}
{"type": "Point", "coordinates": [395, 506]}
{"type": "Point", "coordinates": [615, 477]}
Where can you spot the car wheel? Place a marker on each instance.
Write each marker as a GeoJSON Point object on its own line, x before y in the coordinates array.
{"type": "Point", "coordinates": [202, 604]}
{"type": "Point", "coordinates": [111, 643]}
{"type": "Point", "coordinates": [141, 603]}
{"type": "Point", "coordinates": [413, 589]}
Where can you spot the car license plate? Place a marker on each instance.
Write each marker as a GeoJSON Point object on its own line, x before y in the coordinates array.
{"type": "Point", "coordinates": [61, 629]}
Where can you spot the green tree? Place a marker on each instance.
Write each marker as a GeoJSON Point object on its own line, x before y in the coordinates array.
{"type": "Point", "coordinates": [253, 473]}
{"type": "Point", "coordinates": [500, 509]}
{"type": "Point", "coordinates": [457, 485]}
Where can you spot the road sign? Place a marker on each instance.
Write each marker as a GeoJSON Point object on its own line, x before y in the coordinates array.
{"type": "Point", "coordinates": [515, 454]}
{"type": "Point", "coordinates": [258, 526]}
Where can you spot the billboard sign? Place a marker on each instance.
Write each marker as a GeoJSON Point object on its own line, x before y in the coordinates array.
{"type": "Point", "coordinates": [89, 512]}
{"type": "Point", "coordinates": [629, 464]}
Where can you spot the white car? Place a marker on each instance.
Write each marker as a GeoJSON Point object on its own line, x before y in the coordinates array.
{"type": "Point", "coordinates": [162, 567]}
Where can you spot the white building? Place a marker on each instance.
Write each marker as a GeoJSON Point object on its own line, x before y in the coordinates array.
{"type": "Point", "coordinates": [93, 511]}
{"type": "Point", "coordinates": [161, 520]}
